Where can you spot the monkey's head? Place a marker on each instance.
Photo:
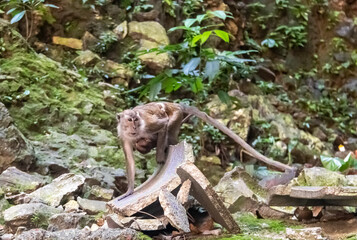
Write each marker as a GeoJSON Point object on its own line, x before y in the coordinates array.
{"type": "Point", "coordinates": [129, 123]}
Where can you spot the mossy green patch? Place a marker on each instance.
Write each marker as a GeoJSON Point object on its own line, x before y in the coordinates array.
{"type": "Point", "coordinates": [43, 93]}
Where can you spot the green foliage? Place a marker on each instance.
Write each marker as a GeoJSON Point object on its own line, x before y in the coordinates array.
{"type": "Point", "coordinates": [200, 65]}
{"type": "Point", "coordinates": [189, 7]}
{"type": "Point", "coordinates": [337, 164]}
{"type": "Point", "coordinates": [143, 6]}
{"type": "Point", "coordinates": [40, 220]}
{"type": "Point", "coordinates": [333, 107]}
{"type": "Point", "coordinates": [250, 224]}
{"type": "Point", "coordinates": [107, 39]}
{"type": "Point", "coordinates": [289, 36]}
{"type": "Point", "coordinates": [170, 6]}
{"type": "Point", "coordinates": [18, 9]}
{"type": "Point", "coordinates": [213, 133]}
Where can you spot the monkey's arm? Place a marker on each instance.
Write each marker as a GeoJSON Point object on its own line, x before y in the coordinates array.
{"type": "Point", "coordinates": [235, 137]}
{"type": "Point", "coordinates": [130, 167]}
{"type": "Point", "coordinates": [161, 145]}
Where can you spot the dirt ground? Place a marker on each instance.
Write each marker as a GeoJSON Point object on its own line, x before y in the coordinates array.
{"type": "Point", "coordinates": [336, 230]}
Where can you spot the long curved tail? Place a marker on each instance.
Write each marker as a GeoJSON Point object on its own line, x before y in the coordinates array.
{"type": "Point", "coordinates": [202, 115]}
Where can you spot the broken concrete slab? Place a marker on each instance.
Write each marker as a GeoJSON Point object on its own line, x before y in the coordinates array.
{"type": "Point", "coordinates": [312, 196]}
{"type": "Point", "coordinates": [174, 211]}
{"type": "Point", "coordinates": [206, 196]}
{"type": "Point", "coordinates": [53, 193]}
{"type": "Point", "coordinates": [164, 177]}
{"type": "Point", "coordinates": [184, 193]}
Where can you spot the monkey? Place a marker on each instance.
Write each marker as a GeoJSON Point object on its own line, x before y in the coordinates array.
{"type": "Point", "coordinates": [157, 124]}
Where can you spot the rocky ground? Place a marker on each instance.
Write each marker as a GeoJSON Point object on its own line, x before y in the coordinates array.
{"type": "Point", "coordinates": [59, 92]}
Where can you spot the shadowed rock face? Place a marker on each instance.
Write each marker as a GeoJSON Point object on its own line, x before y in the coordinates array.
{"type": "Point", "coordinates": [14, 148]}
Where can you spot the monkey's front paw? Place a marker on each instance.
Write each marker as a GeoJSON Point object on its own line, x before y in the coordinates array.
{"type": "Point", "coordinates": [160, 160]}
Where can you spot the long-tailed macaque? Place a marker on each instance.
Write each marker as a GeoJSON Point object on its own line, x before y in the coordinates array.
{"type": "Point", "coordinates": [157, 125]}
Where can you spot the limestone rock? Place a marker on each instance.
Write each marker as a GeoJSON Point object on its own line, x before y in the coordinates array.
{"type": "Point", "coordinates": [151, 35]}
{"type": "Point", "coordinates": [65, 221]}
{"type": "Point", "coordinates": [99, 193]}
{"type": "Point", "coordinates": [154, 61]}
{"type": "Point", "coordinates": [117, 70]}
{"type": "Point", "coordinates": [318, 176]}
{"type": "Point", "coordinates": [14, 181]}
{"type": "Point", "coordinates": [240, 191]}
{"type": "Point", "coordinates": [14, 148]}
{"type": "Point", "coordinates": [91, 206]}
{"type": "Point", "coordinates": [24, 215]}
{"type": "Point", "coordinates": [174, 211]}
{"type": "Point", "coordinates": [53, 193]}
{"type": "Point", "coordinates": [86, 58]}
{"type": "Point", "coordinates": [148, 30]}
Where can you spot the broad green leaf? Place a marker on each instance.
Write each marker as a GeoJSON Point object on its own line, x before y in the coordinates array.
{"type": "Point", "coordinates": [222, 34]}
{"type": "Point", "coordinates": [197, 85]}
{"type": "Point", "coordinates": [211, 69]}
{"type": "Point", "coordinates": [189, 22]}
{"type": "Point", "coordinates": [205, 36]}
{"type": "Point", "coordinates": [177, 28]}
{"type": "Point", "coordinates": [200, 17]}
{"type": "Point", "coordinates": [170, 84]}
{"type": "Point", "coordinates": [195, 39]}
{"type": "Point", "coordinates": [224, 97]}
{"type": "Point", "coordinates": [18, 17]}
{"type": "Point", "coordinates": [11, 10]}
{"type": "Point", "coordinates": [269, 42]}
{"type": "Point", "coordinates": [51, 5]}
{"type": "Point", "coordinates": [191, 65]}
{"type": "Point", "coordinates": [220, 14]}
{"type": "Point", "coordinates": [331, 163]}
{"type": "Point", "coordinates": [154, 90]}
{"type": "Point", "coordinates": [347, 162]}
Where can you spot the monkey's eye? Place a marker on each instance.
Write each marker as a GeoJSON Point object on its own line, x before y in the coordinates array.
{"type": "Point", "coordinates": [130, 119]}
{"type": "Point", "coordinates": [135, 120]}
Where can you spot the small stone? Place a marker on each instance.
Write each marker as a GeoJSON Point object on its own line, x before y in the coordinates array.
{"type": "Point", "coordinates": [68, 42]}
{"type": "Point", "coordinates": [91, 206]}
{"type": "Point", "coordinates": [99, 193]}
{"type": "Point", "coordinates": [94, 227]}
{"type": "Point", "coordinates": [174, 211]}
{"type": "Point", "coordinates": [314, 233]}
{"type": "Point", "coordinates": [121, 30]}
{"type": "Point", "coordinates": [86, 58]}
{"type": "Point", "coordinates": [7, 236]}
{"type": "Point", "coordinates": [71, 206]}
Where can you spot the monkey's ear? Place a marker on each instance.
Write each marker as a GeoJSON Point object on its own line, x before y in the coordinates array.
{"type": "Point", "coordinates": [119, 115]}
